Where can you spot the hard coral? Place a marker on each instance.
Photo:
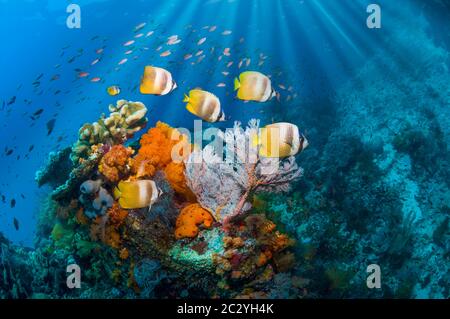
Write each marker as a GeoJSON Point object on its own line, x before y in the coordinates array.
{"type": "Point", "coordinates": [125, 119]}
{"type": "Point", "coordinates": [190, 218]}
{"type": "Point", "coordinates": [114, 164]}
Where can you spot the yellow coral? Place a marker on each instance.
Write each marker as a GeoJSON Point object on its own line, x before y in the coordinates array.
{"type": "Point", "coordinates": [190, 218]}
{"type": "Point", "coordinates": [124, 254]}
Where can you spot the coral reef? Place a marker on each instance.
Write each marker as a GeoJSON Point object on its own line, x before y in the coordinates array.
{"type": "Point", "coordinates": [77, 176]}
{"type": "Point", "coordinates": [178, 233]}
{"type": "Point", "coordinates": [94, 141]}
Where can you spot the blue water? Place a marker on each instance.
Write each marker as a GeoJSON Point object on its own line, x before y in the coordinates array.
{"type": "Point", "coordinates": [313, 46]}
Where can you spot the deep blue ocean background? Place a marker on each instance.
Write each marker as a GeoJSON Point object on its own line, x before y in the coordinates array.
{"type": "Point", "coordinates": [314, 46]}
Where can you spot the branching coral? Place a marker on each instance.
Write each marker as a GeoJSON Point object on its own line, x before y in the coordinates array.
{"type": "Point", "coordinates": [223, 187]}
{"type": "Point", "coordinates": [190, 218]}
{"type": "Point", "coordinates": [114, 164]}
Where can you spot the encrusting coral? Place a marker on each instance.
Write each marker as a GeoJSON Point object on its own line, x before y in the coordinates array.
{"type": "Point", "coordinates": [55, 173]}
{"type": "Point", "coordinates": [190, 218]}
{"type": "Point", "coordinates": [117, 215]}
{"type": "Point", "coordinates": [114, 164]}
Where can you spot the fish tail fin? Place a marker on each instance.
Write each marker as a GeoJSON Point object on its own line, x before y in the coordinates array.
{"type": "Point", "coordinates": [116, 192]}
{"type": "Point", "coordinates": [237, 84]}
{"type": "Point", "coordinates": [186, 98]}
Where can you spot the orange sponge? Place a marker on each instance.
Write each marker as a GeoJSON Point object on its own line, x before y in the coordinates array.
{"type": "Point", "coordinates": [175, 177]}
{"type": "Point", "coordinates": [190, 218]}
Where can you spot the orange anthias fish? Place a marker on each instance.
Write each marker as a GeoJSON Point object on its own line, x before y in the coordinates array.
{"type": "Point", "coordinates": [166, 53]}
{"type": "Point", "coordinates": [128, 43]}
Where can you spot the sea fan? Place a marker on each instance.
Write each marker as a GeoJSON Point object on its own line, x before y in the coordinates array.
{"type": "Point", "coordinates": [222, 185]}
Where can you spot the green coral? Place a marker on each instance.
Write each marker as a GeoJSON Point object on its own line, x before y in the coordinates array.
{"type": "Point", "coordinates": [62, 236]}
{"type": "Point", "coordinates": [85, 247]}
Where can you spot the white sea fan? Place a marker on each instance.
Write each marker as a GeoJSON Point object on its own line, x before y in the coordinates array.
{"type": "Point", "coordinates": [222, 184]}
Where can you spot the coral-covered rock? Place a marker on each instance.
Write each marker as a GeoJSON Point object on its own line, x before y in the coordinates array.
{"type": "Point", "coordinates": [77, 176]}
{"type": "Point", "coordinates": [190, 218]}
{"type": "Point", "coordinates": [57, 169]}
{"type": "Point", "coordinates": [114, 164]}
{"type": "Point", "coordinates": [100, 230]}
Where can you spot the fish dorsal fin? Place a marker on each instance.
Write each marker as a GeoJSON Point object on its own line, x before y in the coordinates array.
{"type": "Point", "coordinates": [117, 192]}
{"type": "Point", "coordinates": [190, 108]}
{"type": "Point", "coordinates": [237, 84]}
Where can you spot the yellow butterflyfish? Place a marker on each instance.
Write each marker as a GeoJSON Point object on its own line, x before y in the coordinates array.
{"type": "Point", "coordinates": [136, 194]}
{"type": "Point", "coordinates": [157, 81]}
{"type": "Point", "coordinates": [113, 90]}
{"type": "Point", "coordinates": [253, 86]}
{"type": "Point", "coordinates": [279, 140]}
{"type": "Point", "coordinates": [204, 105]}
